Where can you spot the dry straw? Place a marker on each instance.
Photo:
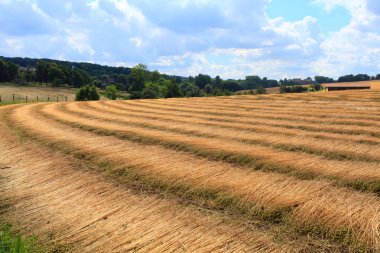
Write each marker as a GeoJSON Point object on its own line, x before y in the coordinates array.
{"type": "Point", "coordinates": [315, 203]}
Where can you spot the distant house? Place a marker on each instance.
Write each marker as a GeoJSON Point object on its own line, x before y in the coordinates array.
{"type": "Point", "coordinates": [346, 86]}
{"type": "Point", "coordinates": [300, 81]}
{"type": "Point", "coordinates": [297, 81]}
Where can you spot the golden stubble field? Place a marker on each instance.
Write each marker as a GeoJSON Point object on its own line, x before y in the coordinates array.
{"type": "Point", "coordinates": [285, 173]}
{"type": "Point", "coordinates": [375, 85]}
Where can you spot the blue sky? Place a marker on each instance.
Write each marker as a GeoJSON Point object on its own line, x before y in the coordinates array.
{"type": "Point", "coordinates": [232, 38]}
{"type": "Point", "coordinates": [293, 10]}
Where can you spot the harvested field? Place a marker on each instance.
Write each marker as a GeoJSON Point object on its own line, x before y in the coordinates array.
{"type": "Point", "coordinates": [286, 173]}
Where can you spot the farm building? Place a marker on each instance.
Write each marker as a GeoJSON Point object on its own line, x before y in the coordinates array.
{"type": "Point", "coordinates": [346, 86]}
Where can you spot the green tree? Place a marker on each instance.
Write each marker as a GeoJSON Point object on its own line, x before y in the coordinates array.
{"type": "Point", "coordinates": [323, 79]}
{"type": "Point", "coordinates": [119, 86]}
{"type": "Point", "coordinates": [151, 90]}
{"type": "Point", "coordinates": [284, 82]}
{"type": "Point", "coordinates": [8, 71]}
{"type": "Point", "coordinates": [93, 93]}
{"type": "Point", "coordinates": [111, 92]}
{"type": "Point", "coordinates": [219, 92]}
{"type": "Point", "coordinates": [178, 80]}
{"type": "Point", "coordinates": [190, 89]}
{"type": "Point", "coordinates": [172, 89]}
{"type": "Point", "coordinates": [252, 82]}
{"type": "Point", "coordinates": [316, 87]}
{"type": "Point", "coordinates": [96, 83]}
{"type": "Point", "coordinates": [208, 89]}
{"type": "Point", "coordinates": [87, 93]}
{"type": "Point", "coordinates": [12, 71]}
{"type": "Point", "coordinates": [293, 89]}
{"type": "Point", "coordinates": [42, 69]}
{"type": "Point", "coordinates": [122, 81]}
{"type": "Point", "coordinates": [231, 85]}
{"type": "Point", "coordinates": [202, 80]}
{"type": "Point", "coordinates": [218, 82]}
{"type": "Point", "coordinates": [135, 95]}
{"type": "Point", "coordinates": [356, 78]}
{"type": "Point", "coordinates": [162, 91]}
{"type": "Point", "coordinates": [79, 77]}
{"type": "Point", "coordinates": [27, 74]}
{"type": "Point", "coordinates": [261, 90]}
{"type": "Point", "coordinates": [57, 82]}
{"type": "Point", "coordinates": [138, 77]}
{"type": "Point", "coordinates": [4, 75]}
{"type": "Point", "coordinates": [155, 76]}
{"type": "Point", "coordinates": [56, 74]}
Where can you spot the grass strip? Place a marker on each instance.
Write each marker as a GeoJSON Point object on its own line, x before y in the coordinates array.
{"type": "Point", "coordinates": [13, 242]}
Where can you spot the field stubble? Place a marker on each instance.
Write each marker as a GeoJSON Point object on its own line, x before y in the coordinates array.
{"type": "Point", "coordinates": [193, 149]}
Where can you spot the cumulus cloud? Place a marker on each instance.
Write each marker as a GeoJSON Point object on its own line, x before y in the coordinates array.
{"type": "Point", "coordinates": [299, 35]}
{"type": "Point", "coordinates": [232, 38]}
{"type": "Point", "coordinates": [79, 42]}
{"type": "Point", "coordinates": [355, 48]}
{"type": "Point", "coordinates": [183, 16]}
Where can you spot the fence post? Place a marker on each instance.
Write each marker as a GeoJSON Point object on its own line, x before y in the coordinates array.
{"type": "Point", "coordinates": [57, 98]}
{"type": "Point", "coordinates": [48, 99]}
{"type": "Point", "coordinates": [26, 99]}
{"type": "Point", "coordinates": [66, 98]}
{"type": "Point", "coordinates": [37, 98]}
{"type": "Point", "coordinates": [13, 98]}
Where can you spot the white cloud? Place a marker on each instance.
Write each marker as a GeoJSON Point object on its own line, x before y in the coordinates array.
{"type": "Point", "coordinates": [293, 47]}
{"type": "Point", "coordinates": [232, 38]}
{"type": "Point", "coordinates": [79, 41]}
{"type": "Point", "coordinates": [14, 44]}
{"type": "Point", "coordinates": [303, 34]}
{"type": "Point", "coordinates": [137, 41]}
{"type": "Point", "coordinates": [355, 48]}
{"type": "Point", "coordinates": [242, 53]}
{"type": "Point", "coordinates": [163, 61]}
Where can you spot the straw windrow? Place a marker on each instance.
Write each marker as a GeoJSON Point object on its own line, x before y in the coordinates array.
{"type": "Point", "coordinates": [320, 207]}
{"type": "Point", "coordinates": [234, 156]}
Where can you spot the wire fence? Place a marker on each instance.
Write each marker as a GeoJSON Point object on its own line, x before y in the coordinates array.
{"type": "Point", "coordinates": [15, 98]}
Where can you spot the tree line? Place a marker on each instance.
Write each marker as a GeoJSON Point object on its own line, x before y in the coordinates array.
{"type": "Point", "coordinates": [8, 71]}
{"type": "Point", "coordinates": [139, 82]}
{"type": "Point", "coordinates": [347, 78]}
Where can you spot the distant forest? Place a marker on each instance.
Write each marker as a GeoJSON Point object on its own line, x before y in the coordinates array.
{"type": "Point", "coordinates": [139, 82]}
